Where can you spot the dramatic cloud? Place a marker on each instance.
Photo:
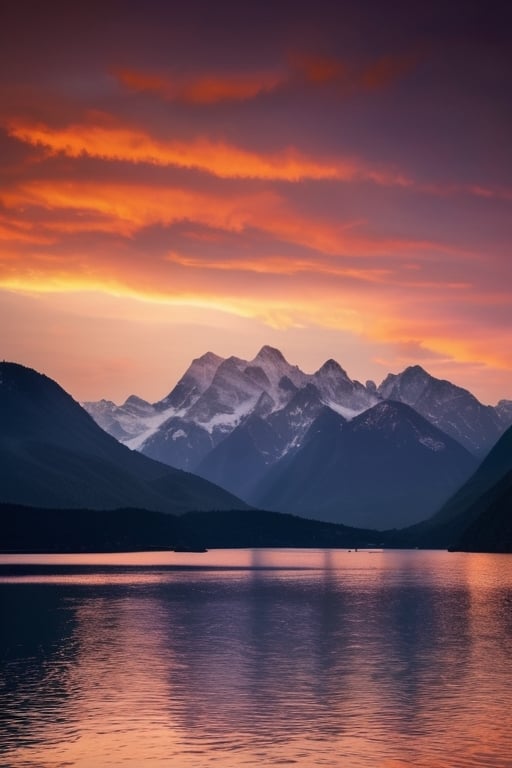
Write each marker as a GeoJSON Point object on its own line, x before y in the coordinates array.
{"type": "Point", "coordinates": [337, 179]}
{"type": "Point", "coordinates": [114, 142]}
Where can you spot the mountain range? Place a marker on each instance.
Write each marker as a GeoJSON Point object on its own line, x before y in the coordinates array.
{"type": "Point", "coordinates": [321, 445]}
{"type": "Point", "coordinates": [66, 484]}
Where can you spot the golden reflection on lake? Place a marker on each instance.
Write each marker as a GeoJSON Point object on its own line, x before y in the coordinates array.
{"type": "Point", "coordinates": [256, 658]}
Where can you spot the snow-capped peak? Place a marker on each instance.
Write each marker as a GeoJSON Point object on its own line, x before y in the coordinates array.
{"type": "Point", "coordinates": [276, 367]}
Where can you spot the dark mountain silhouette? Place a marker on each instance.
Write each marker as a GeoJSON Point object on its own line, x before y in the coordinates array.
{"type": "Point", "coordinates": [492, 469]}
{"type": "Point", "coordinates": [477, 515]}
{"type": "Point", "coordinates": [53, 454]}
{"type": "Point", "coordinates": [30, 529]}
{"type": "Point", "coordinates": [491, 526]}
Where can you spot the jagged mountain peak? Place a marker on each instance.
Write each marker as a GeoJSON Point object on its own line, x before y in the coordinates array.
{"type": "Point", "coordinates": [339, 392]}
{"type": "Point", "coordinates": [218, 394]}
{"type": "Point", "coordinates": [270, 355]}
{"type": "Point", "coordinates": [103, 403]}
{"type": "Point", "coordinates": [413, 373]}
{"type": "Point", "coordinates": [133, 400]}
{"type": "Point", "coordinates": [231, 363]}
{"type": "Point", "coordinates": [451, 408]}
{"type": "Point", "coordinates": [275, 366]}
{"type": "Point", "coordinates": [203, 367]}
{"type": "Point", "coordinates": [416, 370]}
{"type": "Point", "coordinates": [209, 358]}
{"type": "Point", "coordinates": [196, 379]}
{"type": "Point", "coordinates": [331, 368]}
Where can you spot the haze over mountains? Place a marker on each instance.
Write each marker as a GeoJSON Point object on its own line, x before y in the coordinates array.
{"type": "Point", "coordinates": [320, 445]}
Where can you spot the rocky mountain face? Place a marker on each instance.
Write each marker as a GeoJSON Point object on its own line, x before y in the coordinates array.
{"type": "Point", "coordinates": [243, 424]}
{"type": "Point", "coordinates": [504, 411]}
{"type": "Point", "coordinates": [216, 395]}
{"type": "Point", "coordinates": [453, 409]}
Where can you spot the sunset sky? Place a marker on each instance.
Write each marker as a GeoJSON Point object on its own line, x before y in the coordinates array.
{"type": "Point", "coordinates": [331, 178]}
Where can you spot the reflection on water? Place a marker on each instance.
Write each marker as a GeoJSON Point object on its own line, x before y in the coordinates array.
{"type": "Point", "coordinates": [245, 658]}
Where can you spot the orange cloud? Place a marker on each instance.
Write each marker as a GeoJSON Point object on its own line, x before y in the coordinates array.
{"type": "Point", "coordinates": [128, 208]}
{"type": "Point", "coordinates": [202, 89]}
{"type": "Point", "coordinates": [113, 142]}
{"type": "Point", "coordinates": [380, 316]}
{"type": "Point", "coordinates": [14, 232]}
{"type": "Point", "coordinates": [124, 209]}
{"type": "Point", "coordinates": [325, 291]}
{"type": "Point", "coordinates": [320, 291]}
{"type": "Point", "coordinates": [223, 160]}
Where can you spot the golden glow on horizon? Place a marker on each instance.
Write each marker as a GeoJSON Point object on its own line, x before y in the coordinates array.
{"type": "Point", "coordinates": [125, 209]}
{"type": "Point", "coordinates": [356, 314]}
{"type": "Point", "coordinates": [264, 188]}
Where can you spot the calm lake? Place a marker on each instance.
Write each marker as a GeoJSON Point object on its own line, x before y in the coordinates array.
{"type": "Point", "coordinates": [256, 658]}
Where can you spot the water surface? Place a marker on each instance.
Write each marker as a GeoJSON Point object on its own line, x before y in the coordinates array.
{"type": "Point", "coordinates": [256, 658]}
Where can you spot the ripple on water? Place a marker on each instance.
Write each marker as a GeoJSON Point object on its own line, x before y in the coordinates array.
{"type": "Point", "coordinates": [400, 660]}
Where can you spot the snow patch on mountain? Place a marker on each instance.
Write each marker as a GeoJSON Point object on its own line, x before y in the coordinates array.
{"type": "Point", "coordinates": [432, 444]}
{"type": "Point", "coordinates": [148, 427]}
{"type": "Point", "coordinates": [347, 413]}
{"type": "Point", "coordinates": [226, 422]}
{"type": "Point", "coordinates": [217, 396]}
